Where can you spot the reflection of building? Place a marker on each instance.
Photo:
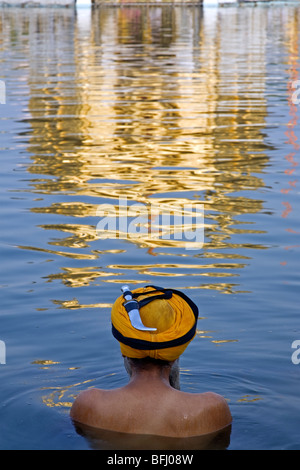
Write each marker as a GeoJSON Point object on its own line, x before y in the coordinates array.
{"type": "Point", "coordinates": [147, 102]}
{"type": "Point", "coordinates": [154, 86]}
{"type": "Point", "coordinates": [97, 3]}
{"type": "Point", "coordinates": [292, 131]}
{"type": "Point", "coordinates": [291, 137]}
{"type": "Point", "coordinates": [46, 3]}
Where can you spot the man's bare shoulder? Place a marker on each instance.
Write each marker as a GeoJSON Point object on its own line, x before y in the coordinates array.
{"type": "Point", "coordinates": [84, 404]}
{"type": "Point", "coordinates": [213, 409]}
{"type": "Point", "coordinates": [212, 398]}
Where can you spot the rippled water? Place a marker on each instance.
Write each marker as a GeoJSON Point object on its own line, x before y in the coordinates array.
{"type": "Point", "coordinates": [166, 106]}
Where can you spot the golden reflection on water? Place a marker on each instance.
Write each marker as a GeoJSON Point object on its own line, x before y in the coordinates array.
{"type": "Point", "coordinates": [249, 398]}
{"type": "Point", "coordinates": [148, 104]}
{"type": "Point", "coordinates": [62, 397]}
{"type": "Point", "coordinates": [44, 362]}
{"type": "Point", "coordinates": [74, 304]}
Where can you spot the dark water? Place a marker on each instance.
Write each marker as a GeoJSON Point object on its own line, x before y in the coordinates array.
{"type": "Point", "coordinates": [164, 105]}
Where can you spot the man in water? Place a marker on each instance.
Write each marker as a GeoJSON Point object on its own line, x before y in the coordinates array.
{"type": "Point", "coordinates": [154, 326]}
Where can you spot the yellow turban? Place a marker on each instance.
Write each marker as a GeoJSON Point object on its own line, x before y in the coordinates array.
{"type": "Point", "coordinates": [171, 313]}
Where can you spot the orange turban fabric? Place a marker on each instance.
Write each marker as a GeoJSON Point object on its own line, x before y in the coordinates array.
{"type": "Point", "coordinates": [171, 314]}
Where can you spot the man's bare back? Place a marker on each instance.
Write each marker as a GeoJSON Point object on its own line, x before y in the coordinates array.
{"type": "Point", "coordinates": [150, 405]}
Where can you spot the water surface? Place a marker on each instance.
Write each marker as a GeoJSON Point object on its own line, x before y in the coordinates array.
{"type": "Point", "coordinates": [158, 106]}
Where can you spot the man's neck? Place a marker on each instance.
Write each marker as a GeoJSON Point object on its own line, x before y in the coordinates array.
{"type": "Point", "coordinates": [153, 375]}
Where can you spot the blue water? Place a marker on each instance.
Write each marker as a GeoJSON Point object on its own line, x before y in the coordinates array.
{"type": "Point", "coordinates": [172, 104]}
